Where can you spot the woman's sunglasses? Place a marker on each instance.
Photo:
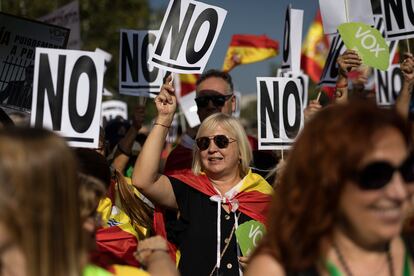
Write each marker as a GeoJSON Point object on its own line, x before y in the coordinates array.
{"type": "Point", "coordinates": [221, 141]}
{"type": "Point", "coordinates": [218, 100]}
{"type": "Point", "coordinates": [378, 174]}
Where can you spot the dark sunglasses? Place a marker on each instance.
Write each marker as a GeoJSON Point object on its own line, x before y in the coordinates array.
{"type": "Point", "coordinates": [218, 100]}
{"type": "Point", "coordinates": [221, 141]}
{"type": "Point", "coordinates": [378, 174]}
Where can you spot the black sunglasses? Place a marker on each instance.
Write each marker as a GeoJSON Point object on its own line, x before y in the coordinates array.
{"type": "Point", "coordinates": [221, 141]}
{"type": "Point", "coordinates": [218, 100]}
{"type": "Point", "coordinates": [378, 174]}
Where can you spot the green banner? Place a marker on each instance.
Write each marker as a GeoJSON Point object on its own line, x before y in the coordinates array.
{"type": "Point", "coordinates": [368, 42]}
{"type": "Point", "coordinates": [248, 236]}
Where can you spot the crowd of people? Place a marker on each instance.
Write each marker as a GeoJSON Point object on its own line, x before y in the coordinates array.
{"type": "Point", "coordinates": [341, 204]}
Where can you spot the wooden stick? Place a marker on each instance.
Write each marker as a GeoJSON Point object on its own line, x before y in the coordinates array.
{"type": "Point", "coordinates": [319, 95]}
{"type": "Point", "coordinates": [408, 45]}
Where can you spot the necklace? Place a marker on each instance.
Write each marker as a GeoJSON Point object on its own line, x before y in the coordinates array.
{"type": "Point", "coordinates": [348, 270]}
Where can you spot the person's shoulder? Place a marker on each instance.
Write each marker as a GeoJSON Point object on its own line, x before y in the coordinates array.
{"type": "Point", "coordinates": [264, 264]}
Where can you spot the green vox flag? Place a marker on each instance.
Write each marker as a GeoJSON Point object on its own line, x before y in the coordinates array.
{"type": "Point", "coordinates": [368, 42]}
{"type": "Point", "coordinates": [248, 236]}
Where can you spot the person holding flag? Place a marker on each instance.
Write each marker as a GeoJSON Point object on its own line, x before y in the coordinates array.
{"type": "Point", "coordinates": [218, 194]}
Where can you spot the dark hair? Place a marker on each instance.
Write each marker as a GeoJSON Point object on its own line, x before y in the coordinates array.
{"type": "Point", "coordinates": [216, 74]}
{"type": "Point", "coordinates": [305, 206]}
{"type": "Point", "coordinates": [92, 163]}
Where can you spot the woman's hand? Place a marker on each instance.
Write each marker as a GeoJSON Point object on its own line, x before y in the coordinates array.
{"type": "Point", "coordinates": [166, 102]}
{"type": "Point", "coordinates": [348, 61]}
{"type": "Point", "coordinates": [150, 246]}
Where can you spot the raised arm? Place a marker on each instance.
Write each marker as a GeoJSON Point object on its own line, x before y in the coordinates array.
{"type": "Point", "coordinates": [403, 101]}
{"type": "Point", "coordinates": [145, 176]}
{"type": "Point", "coordinates": [348, 61]}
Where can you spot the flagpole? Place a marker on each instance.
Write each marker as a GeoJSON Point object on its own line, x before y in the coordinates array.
{"type": "Point", "coordinates": [346, 11]}
{"type": "Point", "coordinates": [408, 45]}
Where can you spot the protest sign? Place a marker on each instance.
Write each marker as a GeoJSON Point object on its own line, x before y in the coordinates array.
{"type": "Point", "coordinates": [248, 236]}
{"type": "Point", "coordinates": [137, 77]}
{"type": "Point", "coordinates": [279, 112]}
{"type": "Point", "coordinates": [292, 40]}
{"type": "Point", "coordinates": [330, 71]}
{"type": "Point", "coordinates": [304, 82]}
{"type": "Point", "coordinates": [335, 13]}
{"type": "Point", "coordinates": [187, 36]}
{"type": "Point", "coordinates": [18, 39]}
{"type": "Point", "coordinates": [114, 109]}
{"type": "Point", "coordinates": [368, 42]}
{"type": "Point", "coordinates": [67, 94]}
{"type": "Point", "coordinates": [399, 18]}
{"type": "Point", "coordinates": [388, 85]}
{"type": "Point", "coordinates": [68, 17]}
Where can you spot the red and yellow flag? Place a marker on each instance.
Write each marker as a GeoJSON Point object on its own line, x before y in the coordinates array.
{"type": "Point", "coordinates": [315, 50]}
{"type": "Point", "coordinates": [188, 83]}
{"type": "Point", "coordinates": [245, 49]}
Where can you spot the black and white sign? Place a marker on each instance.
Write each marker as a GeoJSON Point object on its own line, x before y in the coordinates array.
{"type": "Point", "coordinates": [136, 76]}
{"type": "Point", "coordinates": [279, 112]}
{"type": "Point", "coordinates": [114, 109]}
{"type": "Point", "coordinates": [399, 18]}
{"type": "Point", "coordinates": [337, 12]}
{"type": "Point", "coordinates": [388, 85]}
{"type": "Point", "coordinates": [304, 83]}
{"type": "Point", "coordinates": [68, 17]}
{"type": "Point", "coordinates": [18, 39]}
{"type": "Point", "coordinates": [188, 34]}
{"type": "Point", "coordinates": [67, 94]}
{"type": "Point", "coordinates": [330, 71]}
{"type": "Point", "coordinates": [292, 40]}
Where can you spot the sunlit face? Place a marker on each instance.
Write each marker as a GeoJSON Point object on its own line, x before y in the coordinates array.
{"type": "Point", "coordinates": [375, 216]}
{"type": "Point", "coordinates": [218, 162]}
{"type": "Point", "coordinates": [215, 86]}
{"type": "Point", "coordinates": [12, 262]}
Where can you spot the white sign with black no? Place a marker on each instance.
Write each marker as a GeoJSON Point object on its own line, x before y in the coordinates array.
{"type": "Point", "coordinates": [388, 85]}
{"type": "Point", "coordinates": [399, 18]}
{"type": "Point", "coordinates": [279, 112]}
{"type": "Point", "coordinates": [67, 94]}
{"type": "Point", "coordinates": [292, 40]}
{"type": "Point", "coordinates": [304, 82]}
{"type": "Point", "coordinates": [136, 76]}
{"type": "Point", "coordinates": [187, 36]}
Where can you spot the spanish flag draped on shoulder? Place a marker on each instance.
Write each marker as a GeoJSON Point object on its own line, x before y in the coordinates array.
{"type": "Point", "coordinates": [315, 50]}
{"type": "Point", "coordinates": [245, 49]}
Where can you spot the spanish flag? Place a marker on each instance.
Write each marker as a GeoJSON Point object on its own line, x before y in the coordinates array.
{"type": "Point", "coordinates": [315, 50]}
{"type": "Point", "coordinates": [188, 83]}
{"type": "Point", "coordinates": [245, 49]}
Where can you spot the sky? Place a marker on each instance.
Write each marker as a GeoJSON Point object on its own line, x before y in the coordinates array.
{"type": "Point", "coordinates": [252, 17]}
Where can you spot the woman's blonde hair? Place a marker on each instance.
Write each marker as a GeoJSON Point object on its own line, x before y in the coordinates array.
{"type": "Point", "coordinates": [234, 127]}
{"type": "Point", "coordinates": [38, 173]}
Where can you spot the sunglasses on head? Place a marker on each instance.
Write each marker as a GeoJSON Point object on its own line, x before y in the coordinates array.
{"type": "Point", "coordinates": [218, 100]}
{"type": "Point", "coordinates": [221, 141]}
{"type": "Point", "coordinates": [377, 175]}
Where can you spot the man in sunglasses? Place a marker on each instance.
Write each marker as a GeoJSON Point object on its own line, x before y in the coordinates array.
{"type": "Point", "coordinates": [214, 93]}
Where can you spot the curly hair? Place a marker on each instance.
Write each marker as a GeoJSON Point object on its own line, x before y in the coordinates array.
{"type": "Point", "coordinates": [305, 206]}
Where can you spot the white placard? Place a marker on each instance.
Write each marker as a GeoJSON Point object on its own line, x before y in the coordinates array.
{"type": "Point", "coordinates": [189, 108]}
{"type": "Point", "coordinates": [67, 94]}
{"type": "Point", "coordinates": [279, 112]}
{"type": "Point", "coordinates": [399, 19]}
{"type": "Point", "coordinates": [388, 85]}
{"type": "Point", "coordinates": [188, 34]}
{"type": "Point", "coordinates": [330, 71]}
{"type": "Point", "coordinates": [114, 109]}
{"type": "Point", "coordinates": [18, 39]}
{"type": "Point", "coordinates": [68, 17]}
{"type": "Point", "coordinates": [304, 83]}
{"type": "Point", "coordinates": [336, 12]}
{"type": "Point", "coordinates": [136, 76]}
{"type": "Point", "coordinates": [292, 40]}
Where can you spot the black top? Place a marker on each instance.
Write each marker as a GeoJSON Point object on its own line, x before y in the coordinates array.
{"type": "Point", "coordinates": [198, 240]}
